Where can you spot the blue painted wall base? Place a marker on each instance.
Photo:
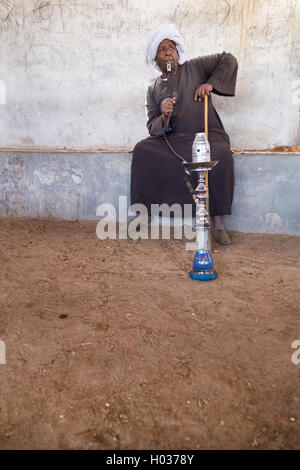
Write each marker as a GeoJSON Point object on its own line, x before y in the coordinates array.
{"type": "Point", "coordinates": [71, 185]}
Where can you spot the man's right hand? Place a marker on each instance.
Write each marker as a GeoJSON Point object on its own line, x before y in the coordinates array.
{"type": "Point", "coordinates": [167, 106]}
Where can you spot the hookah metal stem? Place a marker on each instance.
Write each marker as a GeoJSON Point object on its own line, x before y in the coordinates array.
{"type": "Point", "coordinates": [206, 134]}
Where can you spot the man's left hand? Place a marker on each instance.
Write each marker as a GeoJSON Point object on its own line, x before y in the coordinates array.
{"type": "Point", "coordinates": [202, 90]}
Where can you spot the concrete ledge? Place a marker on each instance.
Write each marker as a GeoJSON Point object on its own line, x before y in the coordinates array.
{"type": "Point", "coordinates": [71, 185]}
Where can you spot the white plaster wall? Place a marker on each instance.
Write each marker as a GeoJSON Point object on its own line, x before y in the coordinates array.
{"type": "Point", "coordinates": [74, 73]}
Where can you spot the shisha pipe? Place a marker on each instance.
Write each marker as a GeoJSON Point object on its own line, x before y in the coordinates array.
{"type": "Point", "coordinates": [203, 264]}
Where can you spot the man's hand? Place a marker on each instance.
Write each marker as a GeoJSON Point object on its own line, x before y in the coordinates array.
{"type": "Point", "coordinates": [167, 106]}
{"type": "Point", "coordinates": [202, 90]}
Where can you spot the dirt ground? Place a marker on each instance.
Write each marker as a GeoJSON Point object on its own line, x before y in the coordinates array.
{"type": "Point", "coordinates": [110, 345]}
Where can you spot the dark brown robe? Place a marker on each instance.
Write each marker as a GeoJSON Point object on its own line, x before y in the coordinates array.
{"type": "Point", "coordinates": [157, 176]}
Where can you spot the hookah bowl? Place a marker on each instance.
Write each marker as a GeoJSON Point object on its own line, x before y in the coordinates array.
{"type": "Point", "coordinates": [203, 264]}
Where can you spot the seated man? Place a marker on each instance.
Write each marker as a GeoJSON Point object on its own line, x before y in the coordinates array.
{"type": "Point", "coordinates": [157, 176]}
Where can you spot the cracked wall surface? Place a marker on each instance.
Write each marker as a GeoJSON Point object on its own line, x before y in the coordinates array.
{"type": "Point", "coordinates": [74, 72]}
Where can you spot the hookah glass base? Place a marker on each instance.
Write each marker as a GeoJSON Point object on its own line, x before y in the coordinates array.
{"type": "Point", "coordinates": [203, 267]}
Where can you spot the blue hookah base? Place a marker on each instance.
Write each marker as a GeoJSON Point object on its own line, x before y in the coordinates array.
{"type": "Point", "coordinates": [203, 267]}
{"type": "Point", "coordinates": [208, 275]}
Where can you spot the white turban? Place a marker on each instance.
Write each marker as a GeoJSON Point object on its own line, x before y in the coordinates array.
{"type": "Point", "coordinates": [164, 31]}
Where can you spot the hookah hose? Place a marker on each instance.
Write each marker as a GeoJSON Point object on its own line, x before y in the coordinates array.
{"type": "Point", "coordinates": [164, 133]}
{"type": "Point", "coordinates": [167, 128]}
{"type": "Point", "coordinates": [187, 170]}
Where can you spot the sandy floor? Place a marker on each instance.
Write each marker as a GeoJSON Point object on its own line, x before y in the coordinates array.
{"type": "Point", "coordinates": [110, 345]}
